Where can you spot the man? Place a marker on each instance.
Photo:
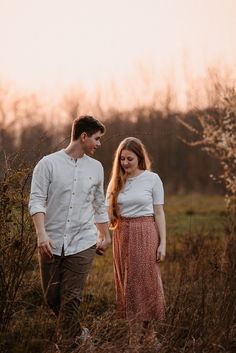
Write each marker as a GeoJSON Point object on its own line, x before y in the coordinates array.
{"type": "Point", "coordinates": [66, 202]}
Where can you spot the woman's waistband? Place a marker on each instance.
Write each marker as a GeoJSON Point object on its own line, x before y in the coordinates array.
{"type": "Point", "coordinates": [137, 219]}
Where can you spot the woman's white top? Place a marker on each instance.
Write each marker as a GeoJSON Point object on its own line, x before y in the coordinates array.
{"type": "Point", "coordinates": [139, 195]}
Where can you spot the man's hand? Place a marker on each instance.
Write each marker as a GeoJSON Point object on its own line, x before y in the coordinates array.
{"type": "Point", "coordinates": [45, 245]}
{"type": "Point", "coordinates": [103, 238]}
{"type": "Point", "coordinates": [102, 244]}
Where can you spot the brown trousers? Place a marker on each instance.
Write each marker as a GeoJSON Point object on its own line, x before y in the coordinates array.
{"type": "Point", "coordinates": [63, 279]}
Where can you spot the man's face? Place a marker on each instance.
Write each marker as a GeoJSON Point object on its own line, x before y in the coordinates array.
{"type": "Point", "coordinates": [91, 143]}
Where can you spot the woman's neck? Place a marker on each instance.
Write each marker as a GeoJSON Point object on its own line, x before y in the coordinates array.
{"type": "Point", "coordinates": [135, 173]}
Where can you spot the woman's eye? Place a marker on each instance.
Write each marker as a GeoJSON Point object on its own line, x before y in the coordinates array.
{"type": "Point", "coordinates": [128, 159]}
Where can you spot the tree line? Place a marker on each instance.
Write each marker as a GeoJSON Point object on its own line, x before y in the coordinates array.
{"type": "Point", "coordinates": [183, 168]}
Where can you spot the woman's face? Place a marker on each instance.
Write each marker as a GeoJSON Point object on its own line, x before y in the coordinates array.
{"type": "Point", "coordinates": [129, 161]}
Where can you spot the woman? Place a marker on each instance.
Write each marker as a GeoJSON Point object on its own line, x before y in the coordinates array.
{"type": "Point", "coordinates": [135, 201]}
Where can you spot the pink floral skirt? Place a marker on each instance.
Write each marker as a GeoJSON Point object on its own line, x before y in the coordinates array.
{"type": "Point", "coordinates": [139, 289]}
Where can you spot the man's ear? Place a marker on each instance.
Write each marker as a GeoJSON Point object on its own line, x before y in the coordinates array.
{"type": "Point", "coordinates": [83, 136]}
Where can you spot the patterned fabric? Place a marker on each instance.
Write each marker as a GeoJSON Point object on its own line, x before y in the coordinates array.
{"type": "Point", "coordinates": [139, 290]}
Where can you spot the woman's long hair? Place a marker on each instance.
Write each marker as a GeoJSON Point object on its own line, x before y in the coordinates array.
{"type": "Point", "coordinates": [118, 177]}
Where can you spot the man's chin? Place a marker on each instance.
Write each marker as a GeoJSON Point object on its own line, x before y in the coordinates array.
{"type": "Point", "coordinates": [91, 153]}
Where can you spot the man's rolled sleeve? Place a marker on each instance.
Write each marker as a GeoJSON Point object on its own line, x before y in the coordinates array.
{"type": "Point", "coordinates": [39, 188]}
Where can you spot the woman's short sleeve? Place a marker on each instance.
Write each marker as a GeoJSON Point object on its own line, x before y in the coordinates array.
{"type": "Point", "coordinates": [158, 191]}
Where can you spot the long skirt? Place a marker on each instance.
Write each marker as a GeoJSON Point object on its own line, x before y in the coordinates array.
{"type": "Point", "coordinates": [139, 289]}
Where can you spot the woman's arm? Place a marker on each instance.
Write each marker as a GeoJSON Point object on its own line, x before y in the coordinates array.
{"type": "Point", "coordinates": [159, 215]}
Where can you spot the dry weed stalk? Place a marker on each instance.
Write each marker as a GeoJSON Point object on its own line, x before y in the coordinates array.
{"type": "Point", "coordinates": [17, 244]}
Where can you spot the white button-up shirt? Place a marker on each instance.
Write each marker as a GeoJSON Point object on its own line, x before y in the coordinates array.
{"type": "Point", "coordinates": [70, 193]}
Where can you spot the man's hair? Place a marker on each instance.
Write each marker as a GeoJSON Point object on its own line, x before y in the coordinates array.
{"type": "Point", "coordinates": [88, 124]}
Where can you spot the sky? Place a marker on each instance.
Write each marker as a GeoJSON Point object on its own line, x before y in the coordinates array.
{"type": "Point", "coordinates": [133, 45]}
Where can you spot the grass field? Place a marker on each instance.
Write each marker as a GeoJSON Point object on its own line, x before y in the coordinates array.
{"type": "Point", "coordinates": [195, 213]}
{"type": "Point", "coordinates": [197, 291]}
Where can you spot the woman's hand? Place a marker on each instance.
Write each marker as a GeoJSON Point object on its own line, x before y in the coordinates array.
{"type": "Point", "coordinates": [161, 253]}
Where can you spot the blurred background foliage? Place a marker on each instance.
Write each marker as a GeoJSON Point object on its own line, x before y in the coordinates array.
{"type": "Point", "coordinates": [194, 153]}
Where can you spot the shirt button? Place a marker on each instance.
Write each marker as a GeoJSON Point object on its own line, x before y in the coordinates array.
{"type": "Point", "coordinates": [70, 206]}
{"type": "Point", "coordinates": [75, 179]}
{"type": "Point", "coordinates": [73, 193]}
{"type": "Point", "coordinates": [68, 220]}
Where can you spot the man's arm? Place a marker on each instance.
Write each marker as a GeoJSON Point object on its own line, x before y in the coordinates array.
{"type": "Point", "coordinates": [37, 205]}
{"type": "Point", "coordinates": [101, 217]}
{"type": "Point", "coordinates": [44, 243]}
{"type": "Point", "coordinates": [161, 224]}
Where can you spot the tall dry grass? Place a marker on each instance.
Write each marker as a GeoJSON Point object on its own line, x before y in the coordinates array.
{"type": "Point", "coordinates": [16, 243]}
{"type": "Point", "coordinates": [199, 291]}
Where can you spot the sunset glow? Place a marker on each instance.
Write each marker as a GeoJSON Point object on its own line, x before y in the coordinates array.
{"type": "Point", "coordinates": [53, 44]}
